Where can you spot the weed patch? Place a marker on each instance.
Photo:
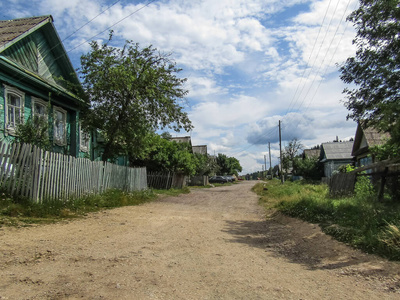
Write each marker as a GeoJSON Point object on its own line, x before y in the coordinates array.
{"type": "Point", "coordinates": [359, 221]}
{"type": "Point", "coordinates": [17, 211]}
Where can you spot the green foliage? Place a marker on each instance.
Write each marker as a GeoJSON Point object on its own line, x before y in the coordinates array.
{"type": "Point", "coordinates": [389, 150]}
{"type": "Point", "coordinates": [206, 164]}
{"type": "Point", "coordinates": [132, 92]}
{"type": "Point", "coordinates": [364, 189]}
{"type": "Point", "coordinates": [309, 168]}
{"type": "Point", "coordinates": [360, 221]}
{"type": "Point", "coordinates": [391, 238]}
{"type": "Point", "coordinates": [164, 155]}
{"type": "Point", "coordinates": [228, 165]}
{"type": "Point", "coordinates": [375, 70]}
{"type": "Point", "coordinates": [290, 152]}
{"type": "Point", "coordinates": [17, 210]}
{"type": "Point", "coordinates": [34, 131]}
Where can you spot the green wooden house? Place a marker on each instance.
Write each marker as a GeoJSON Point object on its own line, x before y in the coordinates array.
{"type": "Point", "coordinates": [36, 76]}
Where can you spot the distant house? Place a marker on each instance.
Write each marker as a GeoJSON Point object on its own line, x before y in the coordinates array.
{"type": "Point", "coordinates": [335, 154]}
{"type": "Point", "coordinates": [364, 139]}
{"type": "Point", "coordinates": [32, 63]}
{"type": "Point", "coordinates": [311, 153]}
{"type": "Point", "coordinates": [183, 139]}
{"type": "Point", "coordinates": [201, 149]}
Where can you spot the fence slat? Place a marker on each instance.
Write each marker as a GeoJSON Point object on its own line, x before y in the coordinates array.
{"type": "Point", "coordinates": [29, 171]}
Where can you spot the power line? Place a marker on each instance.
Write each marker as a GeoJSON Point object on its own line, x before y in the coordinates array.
{"type": "Point", "coordinates": [116, 23]}
{"type": "Point", "coordinates": [319, 68]}
{"type": "Point", "coordinates": [91, 20]}
{"type": "Point", "coordinates": [309, 58]}
{"type": "Point", "coordinates": [327, 51]}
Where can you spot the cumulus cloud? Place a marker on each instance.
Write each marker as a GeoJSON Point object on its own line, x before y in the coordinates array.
{"type": "Point", "coordinates": [246, 68]}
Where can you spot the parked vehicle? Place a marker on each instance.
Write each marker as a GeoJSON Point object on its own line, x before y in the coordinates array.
{"type": "Point", "coordinates": [218, 179]}
{"type": "Point", "coordinates": [230, 178]}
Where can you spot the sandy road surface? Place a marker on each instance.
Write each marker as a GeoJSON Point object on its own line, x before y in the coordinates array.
{"type": "Point", "coordinates": [210, 244]}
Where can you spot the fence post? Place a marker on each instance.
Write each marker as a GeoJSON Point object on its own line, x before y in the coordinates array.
{"type": "Point", "coordinates": [382, 185]}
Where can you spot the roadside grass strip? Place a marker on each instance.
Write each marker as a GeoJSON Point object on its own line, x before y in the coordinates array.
{"type": "Point", "coordinates": [359, 221]}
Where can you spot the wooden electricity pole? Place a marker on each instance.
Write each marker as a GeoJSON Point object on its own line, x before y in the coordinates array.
{"type": "Point", "coordinates": [280, 149]}
{"type": "Point", "coordinates": [270, 162]}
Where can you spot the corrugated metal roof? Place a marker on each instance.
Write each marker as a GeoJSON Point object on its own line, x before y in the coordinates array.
{"type": "Point", "coordinates": [338, 150]}
{"type": "Point", "coordinates": [12, 29]}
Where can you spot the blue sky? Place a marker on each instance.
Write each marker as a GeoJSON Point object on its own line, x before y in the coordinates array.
{"type": "Point", "coordinates": [249, 63]}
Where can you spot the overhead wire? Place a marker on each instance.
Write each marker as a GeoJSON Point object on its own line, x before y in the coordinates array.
{"type": "Point", "coordinates": [116, 23]}
{"type": "Point", "coordinates": [309, 58]}
{"type": "Point", "coordinates": [86, 41]}
{"type": "Point", "coordinates": [286, 120]}
{"type": "Point", "coordinates": [327, 51]}
{"type": "Point", "coordinates": [90, 21]}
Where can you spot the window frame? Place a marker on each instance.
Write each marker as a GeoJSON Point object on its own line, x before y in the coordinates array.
{"type": "Point", "coordinates": [8, 90]}
{"type": "Point", "coordinates": [43, 103]}
{"type": "Point", "coordinates": [63, 140]}
{"type": "Point", "coordinates": [84, 144]}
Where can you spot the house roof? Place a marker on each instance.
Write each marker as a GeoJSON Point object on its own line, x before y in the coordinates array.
{"type": "Point", "coordinates": [336, 151]}
{"type": "Point", "coordinates": [31, 48]}
{"type": "Point", "coordinates": [310, 153]}
{"type": "Point", "coordinates": [201, 149]}
{"type": "Point", "coordinates": [183, 139]}
{"type": "Point", "coordinates": [12, 30]}
{"type": "Point", "coordinates": [367, 137]}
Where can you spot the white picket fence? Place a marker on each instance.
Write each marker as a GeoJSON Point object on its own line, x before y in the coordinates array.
{"type": "Point", "coordinates": [31, 172]}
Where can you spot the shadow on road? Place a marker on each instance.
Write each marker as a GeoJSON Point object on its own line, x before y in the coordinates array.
{"type": "Point", "coordinates": [301, 243]}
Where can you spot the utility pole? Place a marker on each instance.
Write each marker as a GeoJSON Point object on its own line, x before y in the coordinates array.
{"type": "Point", "coordinates": [265, 166]}
{"type": "Point", "coordinates": [280, 149]}
{"type": "Point", "coordinates": [270, 162]}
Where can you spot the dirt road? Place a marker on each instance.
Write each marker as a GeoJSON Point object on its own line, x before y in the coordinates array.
{"type": "Point", "coordinates": [209, 244]}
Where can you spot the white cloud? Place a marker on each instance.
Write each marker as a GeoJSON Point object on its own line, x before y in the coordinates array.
{"type": "Point", "coordinates": [246, 69]}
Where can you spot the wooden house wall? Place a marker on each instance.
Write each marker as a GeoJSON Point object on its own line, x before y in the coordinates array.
{"type": "Point", "coordinates": [72, 128]}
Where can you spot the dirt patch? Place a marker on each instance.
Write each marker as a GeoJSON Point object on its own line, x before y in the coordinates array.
{"type": "Point", "coordinates": [209, 244]}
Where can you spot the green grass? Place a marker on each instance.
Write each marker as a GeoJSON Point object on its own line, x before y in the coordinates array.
{"type": "Point", "coordinates": [18, 211]}
{"type": "Point", "coordinates": [359, 221]}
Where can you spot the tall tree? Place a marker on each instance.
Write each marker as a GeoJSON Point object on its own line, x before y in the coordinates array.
{"type": "Point", "coordinates": [375, 69]}
{"type": "Point", "coordinates": [132, 91]}
{"type": "Point", "coordinates": [291, 151]}
{"type": "Point", "coordinates": [228, 165]}
{"type": "Point", "coordinates": [161, 154]}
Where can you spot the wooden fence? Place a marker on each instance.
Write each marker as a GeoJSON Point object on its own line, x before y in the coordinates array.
{"type": "Point", "coordinates": [166, 180]}
{"type": "Point", "coordinates": [28, 171]}
{"type": "Point", "coordinates": [383, 174]}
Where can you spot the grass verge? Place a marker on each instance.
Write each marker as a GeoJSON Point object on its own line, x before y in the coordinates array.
{"type": "Point", "coordinates": [359, 221]}
{"type": "Point", "coordinates": [18, 211]}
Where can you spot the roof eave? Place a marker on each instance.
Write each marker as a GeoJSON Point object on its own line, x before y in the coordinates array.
{"type": "Point", "coordinates": [49, 19]}
{"type": "Point", "coordinates": [5, 63]}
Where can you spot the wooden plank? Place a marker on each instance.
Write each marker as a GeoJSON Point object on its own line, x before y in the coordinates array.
{"type": "Point", "coordinates": [21, 159]}
{"type": "Point", "coordinates": [26, 171]}
{"type": "Point", "coordinates": [5, 151]}
{"type": "Point", "coordinates": [37, 175]}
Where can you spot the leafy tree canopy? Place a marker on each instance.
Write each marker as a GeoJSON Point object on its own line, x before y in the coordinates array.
{"type": "Point", "coordinates": [132, 92]}
{"type": "Point", "coordinates": [291, 151]}
{"type": "Point", "coordinates": [375, 69]}
{"type": "Point", "coordinates": [228, 165]}
{"type": "Point", "coordinates": [164, 155]}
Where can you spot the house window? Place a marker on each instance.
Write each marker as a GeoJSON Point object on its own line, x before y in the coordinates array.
{"type": "Point", "coordinates": [84, 139]}
{"type": "Point", "coordinates": [39, 110]}
{"type": "Point", "coordinates": [14, 108]}
{"type": "Point", "coordinates": [60, 126]}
